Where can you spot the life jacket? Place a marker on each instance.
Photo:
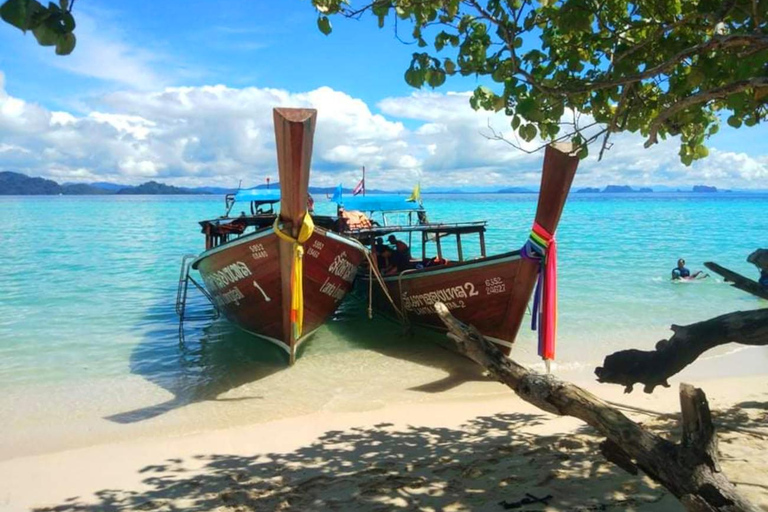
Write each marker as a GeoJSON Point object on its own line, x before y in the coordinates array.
{"type": "Point", "coordinates": [355, 220]}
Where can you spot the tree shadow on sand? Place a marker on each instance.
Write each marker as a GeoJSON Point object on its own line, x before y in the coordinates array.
{"type": "Point", "coordinates": [742, 431]}
{"type": "Point", "coordinates": [490, 463]}
{"type": "Point", "coordinates": [212, 358]}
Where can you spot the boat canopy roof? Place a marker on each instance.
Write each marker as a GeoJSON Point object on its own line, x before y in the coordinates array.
{"type": "Point", "coordinates": [259, 195]}
{"type": "Point", "coordinates": [380, 203]}
{"type": "Point", "coordinates": [442, 229]}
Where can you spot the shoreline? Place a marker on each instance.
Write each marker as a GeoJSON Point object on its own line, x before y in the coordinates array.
{"type": "Point", "coordinates": [326, 455]}
{"type": "Point", "coordinates": [51, 418]}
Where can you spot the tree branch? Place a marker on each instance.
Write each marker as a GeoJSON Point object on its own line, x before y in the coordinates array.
{"type": "Point", "coordinates": [653, 368]}
{"type": "Point", "coordinates": [701, 97]}
{"type": "Point", "coordinates": [689, 469]}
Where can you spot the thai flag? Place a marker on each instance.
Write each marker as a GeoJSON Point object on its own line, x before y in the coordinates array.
{"type": "Point", "coordinates": [360, 188]}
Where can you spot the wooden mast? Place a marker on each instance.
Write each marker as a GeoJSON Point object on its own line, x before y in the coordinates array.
{"type": "Point", "coordinates": [556, 178]}
{"type": "Point", "coordinates": [294, 133]}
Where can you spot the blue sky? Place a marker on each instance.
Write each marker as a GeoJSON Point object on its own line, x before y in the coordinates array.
{"type": "Point", "coordinates": [136, 61]}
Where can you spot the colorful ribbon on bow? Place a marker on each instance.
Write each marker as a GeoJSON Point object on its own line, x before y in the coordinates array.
{"type": "Point", "coordinates": [297, 271]}
{"type": "Point", "coordinates": [542, 247]}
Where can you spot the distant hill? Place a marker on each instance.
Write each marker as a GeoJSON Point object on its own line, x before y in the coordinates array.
{"type": "Point", "coordinates": [14, 183]}
{"type": "Point", "coordinates": [219, 191]}
{"type": "Point", "coordinates": [17, 184]}
{"type": "Point", "coordinates": [645, 190]}
{"type": "Point", "coordinates": [514, 190]}
{"type": "Point", "coordinates": [616, 189]}
{"type": "Point", "coordinates": [704, 189]}
{"type": "Point", "coordinates": [588, 190]}
{"type": "Point", "coordinates": [111, 187]}
{"type": "Point", "coordinates": [155, 188]}
{"type": "Point", "coordinates": [82, 189]}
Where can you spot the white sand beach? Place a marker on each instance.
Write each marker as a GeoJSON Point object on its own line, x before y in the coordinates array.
{"type": "Point", "coordinates": [452, 453]}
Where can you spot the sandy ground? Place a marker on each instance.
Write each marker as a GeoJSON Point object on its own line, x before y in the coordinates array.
{"type": "Point", "coordinates": [495, 453]}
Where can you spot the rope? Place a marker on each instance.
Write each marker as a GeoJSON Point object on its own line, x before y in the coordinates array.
{"type": "Point", "coordinates": [297, 271]}
{"type": "Point", "coordinates": [374, 269]}
{"type": "Point", "coordinates": [370, 292]}
{"type": "Point", "coordinates": [542, 248]}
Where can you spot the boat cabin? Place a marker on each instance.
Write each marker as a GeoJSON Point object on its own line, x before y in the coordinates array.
{"type": "Point", "coordinates": [372, 218]}
{"type": "Point", "coordinates": [257, 211]}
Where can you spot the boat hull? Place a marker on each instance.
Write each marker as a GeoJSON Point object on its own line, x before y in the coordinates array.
{"type": "Point", "coordinates": [244, 278]}
{"type": "Point", "coordinates": [476, 292]}
{"type": "Point", "coordinates": [489, 293]}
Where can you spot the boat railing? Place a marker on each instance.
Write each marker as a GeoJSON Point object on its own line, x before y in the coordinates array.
{"type": "Point", "coordinates": [427, 234]}
{"type": "Point", "coordinates": [432, 227]}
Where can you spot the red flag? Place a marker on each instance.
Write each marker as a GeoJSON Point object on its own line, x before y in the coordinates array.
{"type": "Point", "coordinates": [360, 188]}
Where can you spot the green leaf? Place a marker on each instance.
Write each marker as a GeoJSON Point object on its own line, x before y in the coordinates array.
{"type": "Point", "coordinates": [324, 24]}
{"type": "Point", "coordinates": [66, 44]}
{"type": "Point", "coordinates": [67, 21]}
{"type": "Point", "coordinates": [449, 66]}
{"type": "Point", "coordinates": [528, 132]}
{"type": "Point", "coordinates": [64, 5]}
{"type": "Point", "coordinates": [700, 152]}
{"type": "Point", "coordinates": [734, 121]}
{"type": "Point", "coordinates": [525, 107]}
{"type": "Point", "coordinates": [515, 122]}
{"type": "Point", "coordinates": [16, 13]}
{"type": "Point", "coordinates": [46, 35]}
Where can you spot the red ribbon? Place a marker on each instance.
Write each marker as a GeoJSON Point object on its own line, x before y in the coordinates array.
{"type": "Point", "coordinates": [548, 290]}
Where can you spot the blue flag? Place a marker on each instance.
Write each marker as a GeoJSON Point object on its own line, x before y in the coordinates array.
{"type": "Point", "coordinates": [337, 195]}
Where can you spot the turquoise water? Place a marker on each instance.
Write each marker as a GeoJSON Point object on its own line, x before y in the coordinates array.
{"type": "Point", "coordinates": [87, 289]}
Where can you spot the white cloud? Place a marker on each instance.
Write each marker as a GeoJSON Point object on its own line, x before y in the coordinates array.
{"type": "Point", "coordinates": [104, 52]}
{"type": "Point", "coordinates": [218, 135]}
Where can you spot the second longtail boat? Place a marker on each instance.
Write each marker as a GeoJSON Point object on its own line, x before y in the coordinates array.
{"type": "Point", "coordinates": [488, 292]}
{"type": "Point", "coordinates": [283, 281]}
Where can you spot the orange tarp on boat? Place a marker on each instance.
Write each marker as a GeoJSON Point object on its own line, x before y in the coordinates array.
{"type": "Point", "coordinates": [355, 220]}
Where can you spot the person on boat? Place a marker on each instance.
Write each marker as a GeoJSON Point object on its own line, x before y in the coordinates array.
{"type": "Point", "coordinates": [390, 263]}
{"type": "Point", "coordinates": [681, 272]}
{"type": "Point", "coordinates": [379, 249]}
{"type": "Point", "coordinates": [400, 247]}
{"type": "Point", "coordinates": [310, 203]}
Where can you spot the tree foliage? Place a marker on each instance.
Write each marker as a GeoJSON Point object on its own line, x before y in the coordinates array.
{"type": "Point", "coordinates": [52, 26]}
{"type": "Point", "coordinates": [584, 69]}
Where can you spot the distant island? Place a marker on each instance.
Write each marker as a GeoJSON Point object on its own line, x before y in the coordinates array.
{"type": "Point", "coordinates": [614, 189]}
{"type": "Point", "coordinates": [704, 189]}
{"type": "Point", "coordinates": [515, 190]}
{"type": "Point", "coordinates": [155, 188]}
{"type": "Point", "coordinates": [17, 184]}
{"type": "Point", "coordinates": [623, 189]}
{"type": "Point", "coordinates": [14, 183]}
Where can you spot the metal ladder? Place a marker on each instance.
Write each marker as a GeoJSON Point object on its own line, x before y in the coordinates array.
{"type": "Point", "coordinates": [181, 292]}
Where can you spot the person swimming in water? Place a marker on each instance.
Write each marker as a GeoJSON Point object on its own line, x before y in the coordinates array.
{"type": "Point", "coordinates": [763, 281]}
{"type": "Point", "coordinates": [681, 272]}
{"type": "Point", "coordinates": [759, 259]}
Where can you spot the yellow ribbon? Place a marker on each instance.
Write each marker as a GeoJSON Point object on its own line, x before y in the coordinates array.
{"type": "Point", "coordinates": [297, 271]}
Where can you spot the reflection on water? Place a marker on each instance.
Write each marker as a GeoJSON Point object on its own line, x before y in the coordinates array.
{"type": "Point", "coordinates": [209, 359]}
{"type": "Point", "coordinates": [215, 357]}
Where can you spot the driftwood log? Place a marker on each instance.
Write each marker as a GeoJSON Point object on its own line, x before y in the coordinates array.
{"type": "Point", "coordinates": [653, 367]}
{"type": "Point", "coordinates": [689, 470]}
{"type": "Point", "coordinates": [737, 280]}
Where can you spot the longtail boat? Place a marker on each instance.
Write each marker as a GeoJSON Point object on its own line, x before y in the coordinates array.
{"type": "Point", "coordinates": [282, 280]}
{"type": "Point", "coordinates": [490, 292]}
